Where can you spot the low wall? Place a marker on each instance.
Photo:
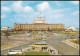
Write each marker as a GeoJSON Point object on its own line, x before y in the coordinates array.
{"type": "Point", "coordinates": [71, 43]}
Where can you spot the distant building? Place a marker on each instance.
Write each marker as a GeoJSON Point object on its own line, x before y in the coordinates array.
{"type": "Point", "coordinates": [70, 28]}
{"type": "Point", "coordinates": [5, 28]}
{"type": "Point", "coordinates": [39, 24]}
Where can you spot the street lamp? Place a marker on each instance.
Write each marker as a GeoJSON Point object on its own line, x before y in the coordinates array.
{"type": "Point", "coordinates": [7, 39]}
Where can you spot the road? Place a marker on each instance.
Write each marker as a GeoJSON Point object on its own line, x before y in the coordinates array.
{"type": "Point", "coordinates": [64, 49]}
{"type": "Point", "coordinates": [28, 42]}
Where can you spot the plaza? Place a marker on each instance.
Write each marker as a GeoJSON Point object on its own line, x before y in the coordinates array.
{"type": "Point", "coordinates": [51, 40]}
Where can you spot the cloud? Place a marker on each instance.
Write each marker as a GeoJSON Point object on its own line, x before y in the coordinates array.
{"type": "Point", "coordinates": [43, 6]}
{"type": "Point", "coordinates": [75, 2]}
{"type": "Point", "coordinates": [49, 11]}
{"type": "Point", "coordinates": [28, 9]}
{"type": "Point", "coordinates": [58, 16]}
{"type": "Point", "coordinates": [3, 16]}
{"type": "Point", "coordinates": [76, 13]}
{"type": "Point", "coordinates": [5, 9]}
{"type": "Point", "coordinates": [57, 3]}
{"type": "Point", "coordinates": [18, 8]}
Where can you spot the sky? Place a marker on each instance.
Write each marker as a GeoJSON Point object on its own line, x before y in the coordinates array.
{"type": "Point", "coordinates": [54, 12]}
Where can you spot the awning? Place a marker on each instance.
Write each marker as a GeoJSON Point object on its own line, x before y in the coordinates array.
{"type": "Point", "coordinates": [39, 45]}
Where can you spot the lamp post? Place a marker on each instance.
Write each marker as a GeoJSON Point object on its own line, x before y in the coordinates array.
{"type": "Point", "coordinates": [22, 48]}
{"type": "Point", "coordinates": [7, 39]}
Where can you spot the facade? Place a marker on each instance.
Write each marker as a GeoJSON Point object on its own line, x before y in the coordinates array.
{"type": "Point", "coordinates": [39, 24]}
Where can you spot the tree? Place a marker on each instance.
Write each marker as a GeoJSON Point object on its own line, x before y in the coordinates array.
{"type": "Point", "coordinates": [7, 33]}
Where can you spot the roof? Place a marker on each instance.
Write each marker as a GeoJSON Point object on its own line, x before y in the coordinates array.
{"type": "Point", "coordinates": [40, 24]}
{"type": "Point", "coordinates": [41, 43]}
{"type": "Point", "coordinates": [70, 27]}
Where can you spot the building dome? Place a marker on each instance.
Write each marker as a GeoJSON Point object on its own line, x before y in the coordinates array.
{"type": "Point", "coordinates": [39, 20]}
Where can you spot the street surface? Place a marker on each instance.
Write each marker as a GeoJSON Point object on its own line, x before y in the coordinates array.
{"type": "Point", "coordinates": [62, 48]}
{"type": "Point", "coordinates": [20, 46]}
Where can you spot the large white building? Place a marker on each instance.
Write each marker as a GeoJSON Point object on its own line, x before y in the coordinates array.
{"type": "Point", "coordinates": [70, 28]}
{"type": "Point", "coordinates": [5, 28]}
{"type": "Point", "coordinates": [39, 24]}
